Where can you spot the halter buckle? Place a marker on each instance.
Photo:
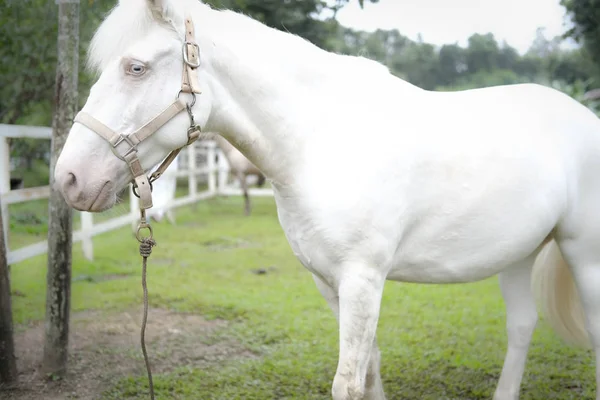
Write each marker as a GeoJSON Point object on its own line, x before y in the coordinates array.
{"type": "Point", "coordinates": [134, 187]}
{"type": "Point", "coordinates": [124, 138]}
{"type": "Point", "coordinates": [186, 50]}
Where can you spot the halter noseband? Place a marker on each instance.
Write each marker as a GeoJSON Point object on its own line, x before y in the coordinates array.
{"type": "Point", "coordinates": [125, 146]}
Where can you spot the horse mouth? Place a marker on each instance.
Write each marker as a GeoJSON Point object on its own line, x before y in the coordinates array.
{"type": "Point", "coordinates": [104, 200]}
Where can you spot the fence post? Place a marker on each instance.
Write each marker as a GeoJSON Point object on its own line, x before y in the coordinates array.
{"type": "Point", "coordinates": [223, 172]}
{"type": "Point", "coordinates": [60, 222]}
{"type": "Point", "coordinates": [8, 364]}
{"type": "Point", "coordinates": [210, 163]}
{"type": "Point", "coordinates": [87, 226]}
{"type": "Point", "coordinates": [4, 185]}
{"type": "Point", "coordinates": [192, 178]}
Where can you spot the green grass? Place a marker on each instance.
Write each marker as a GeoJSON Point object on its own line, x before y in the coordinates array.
{"type": "Point", "coordinates": [437, 342]}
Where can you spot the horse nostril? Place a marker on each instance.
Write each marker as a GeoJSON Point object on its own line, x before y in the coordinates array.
{"type": "Point", "coordinates": [68, 185]}
{"type": "Point", "coordinates": [71, 179]}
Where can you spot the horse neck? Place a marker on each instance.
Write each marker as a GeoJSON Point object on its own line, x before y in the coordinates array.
{"type": "Point", "coordinates": [259, 79]}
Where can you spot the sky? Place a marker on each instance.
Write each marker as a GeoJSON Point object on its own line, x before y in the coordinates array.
{"type": "Point", "coordinates": [453, 21]}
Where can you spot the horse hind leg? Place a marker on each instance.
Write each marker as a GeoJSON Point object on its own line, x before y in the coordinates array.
{"type": "Point", "coordinates": [373, 383]}
{"type": "Point", "coordinates": [521, 319]}
{"type": "Point", "coordinates": [583, 314]}
{"type": "Point", "coordinates": [359, 291]}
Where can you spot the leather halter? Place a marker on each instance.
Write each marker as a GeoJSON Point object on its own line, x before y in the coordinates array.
{"type": "Point", "coordinates": [125, 146]}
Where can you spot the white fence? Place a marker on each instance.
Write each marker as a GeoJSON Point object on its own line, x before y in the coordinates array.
{"type": "Point", "coordinates": [200, 163]}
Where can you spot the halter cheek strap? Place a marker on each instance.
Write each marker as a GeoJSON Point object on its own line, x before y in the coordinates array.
{"type": "Point", "coordinates": [191, 58]}
{"type": "Point", "coordinates": [125, 146]}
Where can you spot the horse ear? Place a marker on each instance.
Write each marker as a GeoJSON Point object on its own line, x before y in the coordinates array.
{"type": "Point", "coordinates": [156, 5]}
{"type": "Point", "coordinates": [164, 10]}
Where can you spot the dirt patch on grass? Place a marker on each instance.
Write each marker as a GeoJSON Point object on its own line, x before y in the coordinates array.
{"type": "Point", "coordinates": [227, 243]}
{"type": "Point", "coordinates": [105, 348]}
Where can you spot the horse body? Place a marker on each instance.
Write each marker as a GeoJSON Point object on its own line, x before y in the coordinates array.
{"type": "Point", "coordinates": [434, 204]}
{"type": "Point", "coordinates": [374, 178]}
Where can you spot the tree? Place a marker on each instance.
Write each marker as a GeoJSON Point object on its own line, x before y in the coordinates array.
{"type": "Point", "coordinates": [552, 63]}
{"type": "Point", "coordinates": [528, 66]}
{"type": "Point", "coordinates": [28, 30]}
{"type": "Point", "coordinates": [418, 63]}
{"type": "Point", "coordinates": [27, 60]}
{"type": "Point", "coordinates": [29, 150]}
{"type": "Point", "coordinates": [507, 57]}
{"type": "Point", "coordinates": [348, 41]}
{"type": "Point", "coordinates": [453, 63]}
{"type": "Point", "coordinates": [585, 15]}
{"type": "Point", "coordinates": [382, 45]}
{"type": "Point", "coordinates": [482, 52]}
{"type": "Point", "coordinates": [60, 222]}
{"type": "Point", "coordinates": [341, 3]}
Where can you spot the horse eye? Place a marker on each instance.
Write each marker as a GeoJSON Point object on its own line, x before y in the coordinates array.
{"type": "Point", "coordinates": [136, 69]}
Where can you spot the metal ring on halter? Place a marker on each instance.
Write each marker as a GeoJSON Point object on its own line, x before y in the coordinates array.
{"type": "Point", "coordinates": [139, 230]}
{"type": "Point", "coordinates": [193, 97]}
{"type": "Point", "coordinates": [153, 178]}
{"type": "Point", "coordinates": [134, 188]}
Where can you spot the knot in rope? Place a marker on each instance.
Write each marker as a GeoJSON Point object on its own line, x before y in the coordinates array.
{"type": "Point", "coordinates": [146, 245]}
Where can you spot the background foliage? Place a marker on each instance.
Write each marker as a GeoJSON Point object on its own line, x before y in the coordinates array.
{"type": "Point", "coordinates": [585, 15]}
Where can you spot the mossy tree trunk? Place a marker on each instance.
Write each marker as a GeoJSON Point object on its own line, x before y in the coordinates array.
{"type": "Point", "coordinates": [8, 365]}
{"type": "Point", "coordinates": [60, 222]}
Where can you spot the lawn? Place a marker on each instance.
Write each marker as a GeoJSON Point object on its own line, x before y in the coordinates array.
{"type": "Point", "coordinates": [437, 342]}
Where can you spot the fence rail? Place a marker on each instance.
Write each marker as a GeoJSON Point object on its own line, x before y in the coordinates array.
{"type": "Point", "coordinates": [198, 165]}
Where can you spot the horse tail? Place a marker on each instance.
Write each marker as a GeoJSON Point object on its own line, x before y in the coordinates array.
{"type": "Point", "coordinates": [555, 290]}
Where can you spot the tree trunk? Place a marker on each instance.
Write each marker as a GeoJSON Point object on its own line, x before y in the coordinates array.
{"type": "Point", "coordinates": [60, 222]}
{"type": "Point", "coordinates": [8, 365]}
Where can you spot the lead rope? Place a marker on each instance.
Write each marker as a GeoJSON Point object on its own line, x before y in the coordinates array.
{"type": "Point", "coordinates": [146, 244]}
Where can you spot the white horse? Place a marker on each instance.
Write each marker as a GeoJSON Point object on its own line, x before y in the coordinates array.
{"type": "Point", "coordinates": [240, 167]}
{"type": "Point", "coordinates": [426, 187]}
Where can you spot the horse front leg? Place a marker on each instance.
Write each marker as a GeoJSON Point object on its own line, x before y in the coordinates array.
{"type": "Point", "coordinates": [373, 384]}
{"type": "Point", "coordinates": [359, 293]}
